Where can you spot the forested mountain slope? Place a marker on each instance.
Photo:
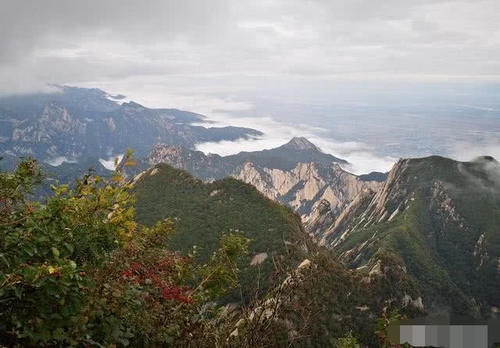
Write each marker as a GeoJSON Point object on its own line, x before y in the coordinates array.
{"type": "Point", "coordinates": [318, 297]}
{"type": "Point", "coordinates": [204, 211]}
{"type": "Point", "coordinates": [442, 218]}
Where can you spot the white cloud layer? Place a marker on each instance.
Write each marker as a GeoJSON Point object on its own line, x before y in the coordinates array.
{"type": "Point", "coordinates": [361, 158]}
{"type": "Point", "coordinates": [470, 151]}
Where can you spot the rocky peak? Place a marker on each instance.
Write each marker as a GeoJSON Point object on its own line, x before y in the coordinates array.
{"type": "Point", "coordinates": [164, 153]}
{"type": "Point", "coordinates": [300, 143]}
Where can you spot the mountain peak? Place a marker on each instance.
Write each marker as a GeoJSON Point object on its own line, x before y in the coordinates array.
{"type": "Point", "coordinates": [300, 143]}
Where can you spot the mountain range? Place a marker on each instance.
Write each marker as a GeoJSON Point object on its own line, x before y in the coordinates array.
{"type": "Point", "coordinates": [279, 249]}
{"type": "Point", "coordinates": [297, 173]}
{"type": "Point", "coordinates": [426, 232]}
{"type": "Point", "coordinates": [434, 218]}
{"type": "Point", "coordinates": [73, 123]}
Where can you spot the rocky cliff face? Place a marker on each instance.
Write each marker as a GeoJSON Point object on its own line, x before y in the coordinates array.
{"type": "Point", "coordinates": [206, 167]}
{"type": "Point", "coordinates": [56, 130]}
{"type": "Point", "coordinates": [297, 174]}
{"type": "Point", "coordinates": [372, 206]}
{"type": "Point", "coordinates": [440, 218]}
{"type": "Point", "coordinates": [307, 186]}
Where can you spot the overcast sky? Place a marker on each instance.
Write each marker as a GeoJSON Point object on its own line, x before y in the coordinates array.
{"type": "Point", "coordinates": [268, 62]}
{"type": "Point", "coordinates": [243, 43]}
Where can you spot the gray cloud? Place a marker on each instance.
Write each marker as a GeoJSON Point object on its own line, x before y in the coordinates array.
{"type": "Point", "coordinates": [81, 41]}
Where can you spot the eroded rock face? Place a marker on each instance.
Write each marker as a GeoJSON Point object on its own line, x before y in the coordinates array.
{"type": "Point", "coordinates": [375, 205]}
{"type": "Point", "coordinates": [171, 155]}
{"type": "Point", "coordinates": [55, 129]}
{"type": "Point", "coordinates": [370, 206]}
{"type": "Point", "coordinates": [307, 187]}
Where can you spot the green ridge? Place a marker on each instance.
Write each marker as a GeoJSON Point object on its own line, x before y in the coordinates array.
{"type": "Point", "coordinates": [437, 250]}
{"type": "Point", "coordinates": [202, 212]}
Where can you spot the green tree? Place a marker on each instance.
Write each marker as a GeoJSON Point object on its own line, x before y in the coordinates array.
{"type": "Point", "coordinates": [78, 269]}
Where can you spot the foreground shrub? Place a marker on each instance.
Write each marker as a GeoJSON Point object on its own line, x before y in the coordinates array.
{"type": "Point", "coordinates": [79, 270]}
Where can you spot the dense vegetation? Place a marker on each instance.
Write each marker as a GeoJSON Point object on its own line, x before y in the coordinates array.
{"type": "Point", "coordinates": [202, 212]}
{"type": "Point", "coordinates": [448, 234]}
{"type": "Point", "coordinates": [78, 270]}
{"type": "Point", "coordinates": [65, 173]}
{"type": "Point", "coordinates": [311, 305]}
